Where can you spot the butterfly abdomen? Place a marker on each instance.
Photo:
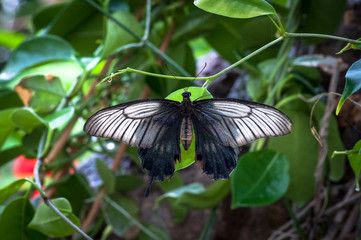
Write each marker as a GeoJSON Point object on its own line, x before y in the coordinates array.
{"type": "Point", "coordinates": [186, 132]}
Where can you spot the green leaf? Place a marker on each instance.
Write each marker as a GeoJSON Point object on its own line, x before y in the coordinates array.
{"type": "Point", "coordinates": [179, 212]}
{"type": "Point", "coordinates": [106, 175]}
{"type": "Point", "coordinates": [350, 46]}
{"type": "Point", "coordinates": [76, 190]}
{"type": "Point", "coordinates": [116, 36]}
{"type": "Point", "coordinates": [353, 83]}
{"type": "Point", "coordinates": [14, 220]}
{"type": "Point", "coordinates": [6, 124]}
{"type": "Point", "coordinates": [259, 179]}
{"type": "Point", "coordinates": [49, 223]}
{"type": "Point", "coordinates": [34, 51]}
{"type": "Point", "coordinates": [237, 8]}
{"type": "Point", "coordinates": [75, 21]}
{"type": "Point", "coordinates": [60, 118]}
{"type": "Point", "coordinates": [26, 119]}
{"type": "Point", "coordinates": [127, 183]}
{"type": "Point", "coordinates": [354, 158]}
{"type": "Point", "coordinates": [11, 39]}
{"type": "Point", "coordinates": [120, 213]}
{"type": "Point", "coordinates": [301, 150]}
{"type": "Point", "coordinates": [66, 71]}
{"type": "Point", "coordinates": [195, 196]}
{"type": "Point", "coordinates": [196, 92]}
{"type": "Point", "coordinates": [46, 93]}
{"type": "Point", "coordinates": [10, 189]}
{"type": "Point", "coordinates": [9, 99]}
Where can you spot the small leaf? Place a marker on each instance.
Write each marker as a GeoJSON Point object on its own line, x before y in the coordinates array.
{"type": "Point", "coordinates": [259, 179]}
{"type": "Point", "coordinates": [195, 196]}
{"type": "Point", "coordinates": [236, 8]}
{"type": "Point", "coordinates": [49, 223]}
{"type": "Point", "coordinates": [353, 83]}
{"type": "Point", "coordinates": [160, 233]}
{"type": "Point", "coordinates": [350, 46]}
{"type": "Point", "coordinates": [120, 213]}
{"type": "Point", "coordinates": [354, 158]}
{"type": "Point", "coordinates": [196, 93]}
{"type": "Point", "coordinates": [34, 51]}
{"type": "Point", "coordinates": [15, 218]}
{"type": "Point", "coordinates": [106, 175]}
{"type": "Point", "coordinates": [11, 39]}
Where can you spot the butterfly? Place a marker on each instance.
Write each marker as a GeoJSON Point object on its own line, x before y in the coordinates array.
{"type": "Point", "coordinates": [158, 127]}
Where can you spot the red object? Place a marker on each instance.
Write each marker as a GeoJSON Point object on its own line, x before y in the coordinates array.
{"type": "Point", "coordinates": [23, 167]}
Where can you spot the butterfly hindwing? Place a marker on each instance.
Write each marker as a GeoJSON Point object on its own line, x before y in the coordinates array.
{"type": "Point", "coordinates": [138, 123]}
{"type": "Point", "coordinates": [217, 160]}
{"type": "Point", "coordinates": [236, 123]}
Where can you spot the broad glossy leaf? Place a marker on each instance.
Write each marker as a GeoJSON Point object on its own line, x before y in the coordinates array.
{"type": "Point", "coordinates": [34, 51]}
{"type": "Point", "coordinates": [106, 175]}
{"type": "Point", "coordinates": [9, 99]}
{"type": "Point", "coordinates": [6, 124]}
{"type": "Point", "coordinates": [179, 212]}
{"type": "Point", "coordinates": [196, 92]}
{"type": "Point", "coordinates": [66, 71]}
{"type": "Point", "coordinates": [259, 179]}
{"type": "Point", "coordinates": [119, 212]}
{"type": "Point", "coordinates": [14, 220]}
{"type": "Point", "coordinates": [76, 190]}
{"type": "Point", "coordinates": [116, 36]}
{"type": "Point", "coordinates": [10, 189]}
{"type": "Point", "coordinates": [195, 196]}
{"type": "Point", "coordinates": [76, 21]}
{"type": "Point", "coordinates": [353, 83]}
{"type": "Point", "coordinates": [49, 223]}
{"type": "Point", "coordinates": [237, 8]}
{"type": "Point", "coordinates": [46, 93]}
{"type": "Point", "coordinates": [301, 150]}
{"type": "Point", "coordinates": [26, 119]}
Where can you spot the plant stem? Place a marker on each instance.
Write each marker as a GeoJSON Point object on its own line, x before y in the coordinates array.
{"type": "Point", "coordinates": [246, 58]}
{"type": "Point", "coordinates": [46, 200]}
{"type": "Point", "coordinates": [315, 35]}
{"type": "Point", "coordinates": [136, 36]}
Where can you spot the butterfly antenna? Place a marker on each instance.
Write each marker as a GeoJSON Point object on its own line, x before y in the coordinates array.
{"type": "Point", "coordinates": [148, 187]}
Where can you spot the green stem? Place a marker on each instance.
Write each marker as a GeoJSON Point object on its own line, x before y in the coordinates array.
{"type": "Point", "coordinates": [38, 186]}
{"type": "Point", "coordinates": [136, 36]}
{"type": "Point", "coordinates": [128, 69]}
{"type": "Point", "coordinates": [315, 35]}
{"type": "Point", "coordinates": [295, 220]}
{"type": "Point", "coordinates": [211, 78]}
{"type": "Point", "coordinates": [207, 230]}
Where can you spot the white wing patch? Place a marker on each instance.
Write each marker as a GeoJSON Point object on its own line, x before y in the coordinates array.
{"type": "Point", "coordinates": [235, 123]}
{"type": "Point", "coordinates": [138, 123]}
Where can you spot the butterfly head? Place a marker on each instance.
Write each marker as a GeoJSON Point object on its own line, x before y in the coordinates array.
{"type": "Point", "coordinates": [186, 95]}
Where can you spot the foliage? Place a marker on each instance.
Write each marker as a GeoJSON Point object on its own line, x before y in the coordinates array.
{"type": "Point", "coordinates": [48, 88]}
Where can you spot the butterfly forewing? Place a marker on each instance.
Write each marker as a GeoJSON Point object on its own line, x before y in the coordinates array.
{"type": "Point", "coordinates": [235, 122]}
{"type": "Point", "coordinates": [139, 123]}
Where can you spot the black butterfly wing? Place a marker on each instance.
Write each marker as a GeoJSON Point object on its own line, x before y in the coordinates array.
{"type": "Point", "coordinates": [217, 160]}
{"type": "Point", "coordinates": [223, 124]}
{"type": "Point", "coordinates": [236, 122]}
{"type": "Point", "coordinates": [139, 123]}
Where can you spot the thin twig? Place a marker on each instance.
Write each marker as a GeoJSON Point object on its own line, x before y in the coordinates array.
{"type": "Point", "coordinates": [323, 137]}
{"type": "Point", "coordinates": [46, 200]}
